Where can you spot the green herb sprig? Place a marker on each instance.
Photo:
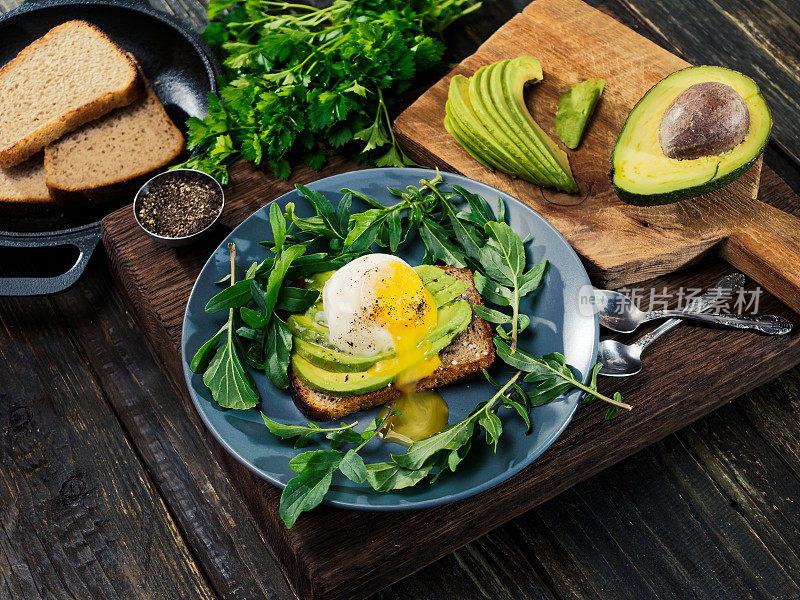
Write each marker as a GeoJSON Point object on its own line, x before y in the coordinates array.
{"type": "Point", "coordinates": [301, 80]}
{"type": "Point", "coordinates": [457, 228]}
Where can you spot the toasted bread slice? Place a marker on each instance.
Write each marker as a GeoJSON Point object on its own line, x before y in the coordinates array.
{"type": "Point", "coordinates": [69, 76]}
{"type": "Point", "coordinates": [468, 354]}
{"type": "Point", "coordinates": [113, 151]}
{"type": "Point", "coordinates": [23, 189]}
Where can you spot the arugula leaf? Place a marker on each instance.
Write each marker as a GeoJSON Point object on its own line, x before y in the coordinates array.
{"type": "Point", "coordinates": [232, 296]}
{"type": "Point", "coordinates": [315, 471]}
{"type": "Point", "coordinates": [388, 476]}
{"type": "Point", "coordinates": [467, 237]}
{"type": "Point", "coordinates": [295, 299]}
{"type": "Point", "coordinates": [230, 383]}
{"type": "Point", "coordinates": [440, 247]}
{"type": "Point", "coordinates": [204, 355]}
{"type": "Point", "coordinates": [553, 375]}
{"type": "Point", "coordinates": [303, 434]}
{"type": "Point", "coordinates": [278, 348]}
{"type": "Point", "coordinates": [352, 466]}
{"type": "Point", "coordinates": [277, 223]}
{"type": "Point", "coordinates": [252, 318]}
{"type": "Point", "coordinates": [448, 439]}
{"type": "Point", "coordinates": [325, 210]}
{"type": "Point", "coordinates": [503, 256]}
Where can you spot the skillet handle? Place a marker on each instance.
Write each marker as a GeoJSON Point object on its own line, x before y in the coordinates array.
{"type": "Point", "coordinates": [85, 240]}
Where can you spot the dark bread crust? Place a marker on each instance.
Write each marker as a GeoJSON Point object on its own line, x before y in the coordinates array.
{"type": "Point", "coordinates": [69, 121]}
{"type": "Point", "coordinates": [468, 354]}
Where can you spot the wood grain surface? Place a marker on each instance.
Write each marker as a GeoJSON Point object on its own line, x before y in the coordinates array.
{"type": "Point", "coordinates": [707, 513]}
{"type": "Point", "coordinates": [621, 244]}
{"type": "Point", "coordinates": [332, 553]}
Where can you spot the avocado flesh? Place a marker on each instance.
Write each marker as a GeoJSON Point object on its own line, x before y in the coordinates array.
{"type": "Point", "coordinates": [443, 287]}
{"type": "Point", "coordinates": [488, 112]}
{"type": "Point", "coordinates": [491, 86]}
{"type": "Point", "coordinates": [483, 142]}
{"type": "Point", "coordinates": [327, 370]}
{"type": "Point", "coordinates": [574, 110]}
{"type": "Point", "coordinates": [334, 360]}
{"type": "Point", "coordinates": [642, 174]}
{"type": "Point", "coordinates": [306, 328]}
{"type": "Point", "coordinates": [517, 73]}
{"type": "Point", "coordinates": [462, 140]}
{"type": "Point", "coordinates": [338, 383]}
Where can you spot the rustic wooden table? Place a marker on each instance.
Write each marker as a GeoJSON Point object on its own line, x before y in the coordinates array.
{"type": "Point", "coordinates": [106, 490]}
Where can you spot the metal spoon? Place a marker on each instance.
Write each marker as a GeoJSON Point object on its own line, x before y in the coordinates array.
{"type": "Point", "coordinates": [618, 313]}
{"type": "Point", "coordinates": [622, 360]}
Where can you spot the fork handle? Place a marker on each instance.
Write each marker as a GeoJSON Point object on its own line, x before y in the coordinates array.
{"type": "Point", "coordinates": [770, 324]}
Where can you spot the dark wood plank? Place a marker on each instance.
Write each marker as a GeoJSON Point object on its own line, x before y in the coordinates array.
{"type": "Point", "coordinates": [80, 516]}
{"type": "Point", "coordinates": [175, 449]}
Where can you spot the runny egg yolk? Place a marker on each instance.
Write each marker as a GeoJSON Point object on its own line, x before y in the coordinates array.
{"type": "Point", "coordinates": [406, 309]}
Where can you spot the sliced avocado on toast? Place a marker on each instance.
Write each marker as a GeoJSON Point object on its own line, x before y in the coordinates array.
{"type": "Point", "coordinates": [692, 133]}
{"type": "Point", "coordinates": [462, 340]}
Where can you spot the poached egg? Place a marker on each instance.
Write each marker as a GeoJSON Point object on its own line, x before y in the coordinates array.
{"type": "Point", "coordinates": [378, 304]}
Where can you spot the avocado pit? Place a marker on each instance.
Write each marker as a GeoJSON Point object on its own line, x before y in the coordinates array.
{"type": "Point", "coordinates": [706, 119]}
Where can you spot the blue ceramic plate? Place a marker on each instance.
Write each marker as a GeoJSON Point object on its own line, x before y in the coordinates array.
{"type": "Point", "coordinates": [558, 325]}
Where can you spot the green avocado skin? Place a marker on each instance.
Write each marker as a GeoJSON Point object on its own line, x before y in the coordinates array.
{"type": "Point", "coordinates": [672, 196]}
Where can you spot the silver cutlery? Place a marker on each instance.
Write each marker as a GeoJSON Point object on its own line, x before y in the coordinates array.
{"type": "Point", "coordinates": [623, 360]}
{"type": "Point", "coordinates": [618, 313]}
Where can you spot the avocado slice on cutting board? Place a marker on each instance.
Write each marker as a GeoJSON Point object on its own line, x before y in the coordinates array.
{"type": "Point", "coordinates": [461, 110]}
{"type": "Point", "coordinates": [693, 132]}
{"type": "Point", "coordinates": [516, 75]}
{"type": "Point", "coordinates": [486, 111]}
{"type": "Point", "coordinates": [492, 86]}
{"type": "Point", "coordinates": [574, 110]}
{"type": "Point", "coordinates": [490, 110]}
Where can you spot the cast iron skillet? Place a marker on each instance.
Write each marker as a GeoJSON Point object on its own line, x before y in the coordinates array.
{"type": "Point", "coordinates": [174, 58]}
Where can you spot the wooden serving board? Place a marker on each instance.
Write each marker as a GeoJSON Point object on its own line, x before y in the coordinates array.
{"type": "Point", "coordinates": [620, 243]}
{"type": "Point", "coordinates": [334, 554]}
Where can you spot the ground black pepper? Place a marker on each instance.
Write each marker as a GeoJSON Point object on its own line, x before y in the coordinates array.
{"type": "Point", "coordinates": [176, 206]}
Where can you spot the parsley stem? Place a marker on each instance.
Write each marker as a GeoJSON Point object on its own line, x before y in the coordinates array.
{"type": "Point", "coordinates": [382, 106]}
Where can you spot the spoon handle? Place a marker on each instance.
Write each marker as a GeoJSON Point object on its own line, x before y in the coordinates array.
{"type": "Point", "coordinates": [724, 288]}
{"type": "Point", "coordinates": [770, 324]}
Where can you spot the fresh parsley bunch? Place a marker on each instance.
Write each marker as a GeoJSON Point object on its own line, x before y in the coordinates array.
{"type": "Point", "coordinates": [457, 228]}
{"type": "Point", "coordinates": [301, 80]}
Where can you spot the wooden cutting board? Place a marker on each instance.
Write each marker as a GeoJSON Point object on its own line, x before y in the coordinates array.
{"type": "Point", "coordinates": [620, 244]}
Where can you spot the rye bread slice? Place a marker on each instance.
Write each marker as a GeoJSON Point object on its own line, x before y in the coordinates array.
{"type": "Point", "coordinates": [69, 76]}
{"type": "Point", "coordinates": [23, 189]}
{"type": "Point", "coordinates": [468, 354]}
{"type": "Point", "coordinates": [106, 155]}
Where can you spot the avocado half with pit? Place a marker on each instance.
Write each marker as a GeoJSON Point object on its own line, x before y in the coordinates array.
{"type": "Point", "coordinates": [692, 133]}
